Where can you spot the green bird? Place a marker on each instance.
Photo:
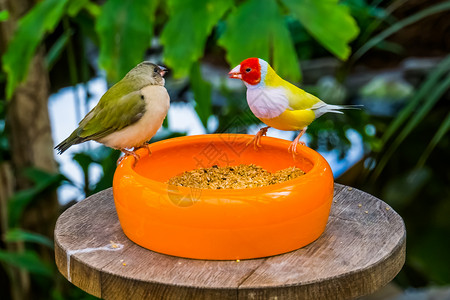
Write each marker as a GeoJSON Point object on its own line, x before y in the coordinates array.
{"type": "Point", "coordinates": [128, 115]}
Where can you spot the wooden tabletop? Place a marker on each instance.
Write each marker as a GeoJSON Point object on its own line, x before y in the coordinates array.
{"type": "Point", "coordinates": [361, 250]}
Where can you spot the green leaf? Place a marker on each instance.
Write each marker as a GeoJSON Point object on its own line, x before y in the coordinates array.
{"type": "Point", "coordinates": [103, 156]}
{"type": "Point", "coordinates": [440, 133]}
{"type": "Point", "coordinates": [43, 179]}
{"type": "Point", "coordinates": [401, 191]}
{"type": "Point", "coordinates": [108, 167]}
{"type": "Point", "coordinates": [27, 260]}
{"type": "Point", "coordinates": [74, 6]}
{"type": "Point", "coordinates": [93, 8]}
{"type": "Point", "coordinates": [4, 15]}
{"type": "Point", "coordinates": [57, 48]}
{"type": "Point", "coordinates": [19, 201]}
{"type": "Point", "coordinates": [84, 160]}
{"type": "Point", "coordinates": [202, 94]}
{"type": "Point", "coordinates": [422, 93]}
{"type": "Point", "coordinates": [40, 20]}
{"type": "Point", "coordinates": [125, 29]}
{"type": "Point", "coordinates": [17, 204]}
{"type": "Point", "coordinates": [418, 116]}
{"type": "Point", "coordinates": [107, 159]}
{"type": "Point", "coordinates": [429, 255]}
{"type": "Point", "coordinates": [438, 8]}
{"type": "Point", "coordinates": [184, 36]}
{"type": "Point", "coordinates": [253, 29]}
{"type": "Point", "coordinates": [19, 235]}
{"type": "Point", "coordinates": [414, 121]}
{"type": "Point", "coordinates": [329, 22]}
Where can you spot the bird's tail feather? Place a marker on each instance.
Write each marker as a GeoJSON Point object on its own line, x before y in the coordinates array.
{"type": "Point", "coordinates": [67, 143]}
{"type": "Point", "coordinates": [339, 107]}
{"type": "Point", "coordinates": [322, 109]}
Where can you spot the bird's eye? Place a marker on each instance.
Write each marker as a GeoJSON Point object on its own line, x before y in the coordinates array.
{"type": "Point", "coordinates": [155, 70]}
{"type": "Point", "coordinates": [248, 70]}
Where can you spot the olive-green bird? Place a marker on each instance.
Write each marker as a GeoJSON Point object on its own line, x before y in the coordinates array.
{"type": "Point", "coordinates": [128, 115]}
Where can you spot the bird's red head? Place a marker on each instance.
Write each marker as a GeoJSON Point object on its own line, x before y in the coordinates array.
{"type": "Point", "coordinates": [249, 71]}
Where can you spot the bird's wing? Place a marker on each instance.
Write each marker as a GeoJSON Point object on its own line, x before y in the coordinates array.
{"type": "Point", "coordinates": [120, 110]}
{"type": "Point", "coordinates": [299, 99]}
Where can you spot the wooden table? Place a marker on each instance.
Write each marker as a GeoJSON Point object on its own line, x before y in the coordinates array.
{"type": "Point", "coordinates": [361, 250]}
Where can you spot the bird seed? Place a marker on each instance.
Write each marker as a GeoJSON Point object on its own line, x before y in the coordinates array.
{"type": "Point", "coordinates": [233, 177]}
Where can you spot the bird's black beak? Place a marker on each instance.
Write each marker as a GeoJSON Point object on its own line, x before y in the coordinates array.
{"type": "Point", "coordinates": [163, 71]}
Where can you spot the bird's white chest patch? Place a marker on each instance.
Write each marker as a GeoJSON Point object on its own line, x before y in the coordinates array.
{"type": "Point", "coordinates": [267, 102]}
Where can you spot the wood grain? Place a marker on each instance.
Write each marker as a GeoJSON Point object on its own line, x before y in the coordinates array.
{"type": "Point", "coordinates": [361, 250]}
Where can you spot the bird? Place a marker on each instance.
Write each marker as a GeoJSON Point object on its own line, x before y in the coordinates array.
{"type": "Point", "coordinates": [278, 103]}
{"type": "Point", "coordinates": [128, 115]}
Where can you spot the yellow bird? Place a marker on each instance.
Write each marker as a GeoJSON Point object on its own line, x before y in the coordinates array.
{"type": "Point", "coordinates": [278, 103]}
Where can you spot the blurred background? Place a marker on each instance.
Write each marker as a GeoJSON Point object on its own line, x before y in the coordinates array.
{"type": "Point", "coordinates": [60, 56]}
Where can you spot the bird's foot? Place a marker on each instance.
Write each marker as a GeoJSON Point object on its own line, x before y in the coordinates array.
{"type": "Point", "coordinates": [293, 146]}
{"type": "Point", "coordinates": [146, 146]}
{"type": "Point", "coordinates": [257, 138]}
{"type": "Point", "coordinates": [128, 153]}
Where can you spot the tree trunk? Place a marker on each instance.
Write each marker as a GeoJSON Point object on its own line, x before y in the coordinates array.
{"type": "Point", "coordinates": [31, 145]}
{"type": "Point", "coordinates": [19, 279]}
{"type": "Point", "coordinates": [31, 142]}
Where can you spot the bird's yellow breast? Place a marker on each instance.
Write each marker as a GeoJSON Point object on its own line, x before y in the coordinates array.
{"type": "Point", "coordinates": [291, 120]}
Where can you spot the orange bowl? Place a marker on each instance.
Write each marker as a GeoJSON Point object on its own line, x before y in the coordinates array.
{"type": "Point", "coordinates": [222, 224]}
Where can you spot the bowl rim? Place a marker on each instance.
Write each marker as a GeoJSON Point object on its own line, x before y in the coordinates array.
{"type": "Point", "coordinates": [314, 157]}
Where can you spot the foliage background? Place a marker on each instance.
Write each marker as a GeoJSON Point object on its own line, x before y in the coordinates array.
{"type": "Point", "coordinates": [329, 46]}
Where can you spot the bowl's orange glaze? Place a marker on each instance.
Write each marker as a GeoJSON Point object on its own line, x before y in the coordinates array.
{"type": "Point", "coordinates": [222, 224]}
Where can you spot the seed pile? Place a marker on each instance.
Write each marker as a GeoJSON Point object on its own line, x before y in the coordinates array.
{"type": "Point", "coordinates": [233, 177]}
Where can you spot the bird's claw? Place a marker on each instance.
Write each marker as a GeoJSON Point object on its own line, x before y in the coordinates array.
{"type": "Point", "coordinates": [293, 147]}
{"type": "Point", "coordinates": [146, 146]}
{"type": "Point", "coordinates": [255, 141]}
{"type": "Point", "coordinates": [119, 161]}
{"type": "Point", "coordinates": [128, 153]}
{"type": "Point", "coordinates": [257, 138]}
